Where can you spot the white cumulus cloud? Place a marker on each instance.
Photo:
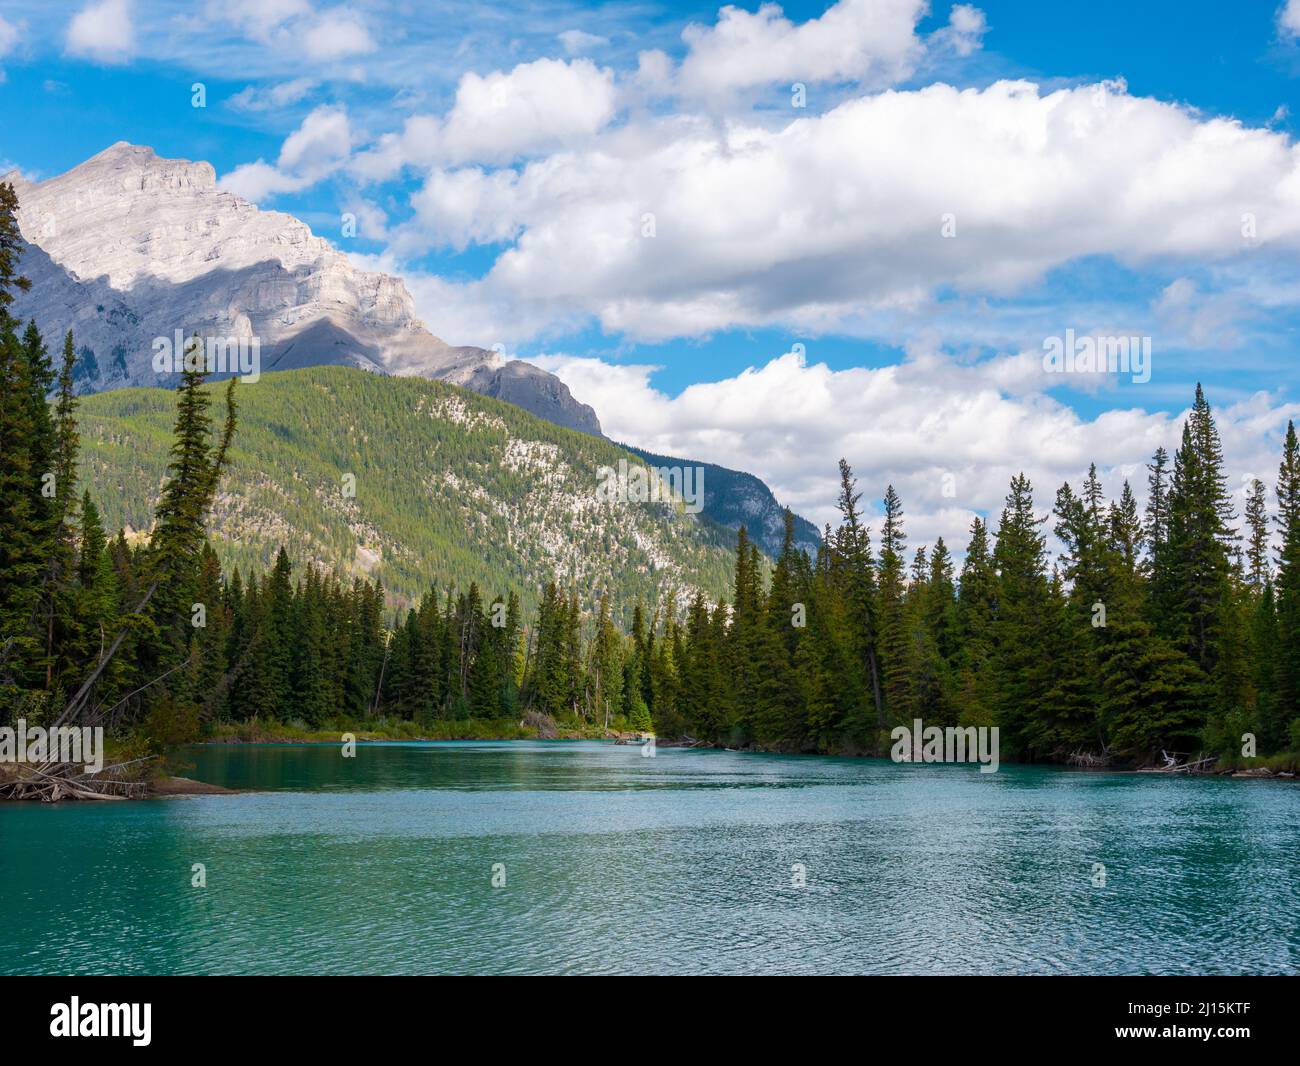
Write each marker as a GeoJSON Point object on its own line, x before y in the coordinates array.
{"type": "Point", "coordinates": [318, 147]}
{"type": "Point", "coordinates": [1288, 19]}
{"type": "Point", "coordinates": [820, 220]}
{"type": "Point", "coordinates": [337, 33]}
{"type": "Point", "coordinates": [945, 435]}
{"type": "Point", "coordinates": [578, 41]}
{"type": "Point", "coordinates": [855, 40]}
{"type": "Point", "coordinates": [102, 31]}
{"type": "Point", "coordinates": [537, 106]}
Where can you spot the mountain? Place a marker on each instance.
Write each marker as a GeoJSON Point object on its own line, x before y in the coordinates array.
{"type": "Point", "coordinates": [733, 498]}
{"type": "Point", "coordinates": [449, 487]}
{"type": "Point", "coordinates": [129, 247]}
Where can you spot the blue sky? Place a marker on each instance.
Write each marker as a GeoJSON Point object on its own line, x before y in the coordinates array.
{"type": "Point", "coordinates": [1115, 169]}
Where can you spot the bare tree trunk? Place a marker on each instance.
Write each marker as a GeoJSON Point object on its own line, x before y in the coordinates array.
{"type": "Point", "coordinates": [75, 704]}
{"type": "Point", "coordinates": [388, 647]}
{"type": "Point", "coordinates": [875, 687]}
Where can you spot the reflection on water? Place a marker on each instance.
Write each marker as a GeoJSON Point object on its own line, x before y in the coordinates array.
{"type": "Point", "coordinates": [682, 863]}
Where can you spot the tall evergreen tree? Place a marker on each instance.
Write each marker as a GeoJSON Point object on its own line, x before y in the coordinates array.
{"type": "Point", "coordinates": [1200, 535]}
{"type": "Point", "coordinates": [1287, 672]}
{"type": "Point", "coordinates": [893, 631]}
{"type": "Point", "coordinates": [1021, 667]}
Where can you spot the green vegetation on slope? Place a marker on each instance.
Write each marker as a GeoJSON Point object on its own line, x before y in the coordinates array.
{"type": "Point", "coordinates": [450, 488]}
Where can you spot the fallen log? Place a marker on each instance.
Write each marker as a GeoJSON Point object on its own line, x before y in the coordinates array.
{"type": "Point", "coordinates": [52, 782]}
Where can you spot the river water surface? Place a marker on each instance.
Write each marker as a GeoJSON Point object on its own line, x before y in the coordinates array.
{"type": "Point", "coordinates": [688, 862]}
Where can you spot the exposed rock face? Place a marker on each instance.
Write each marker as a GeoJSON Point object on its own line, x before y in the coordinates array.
{"type": "Point", "coordinates": [733, 499]}
{"type": "Point", "coordinates": [128, 247]}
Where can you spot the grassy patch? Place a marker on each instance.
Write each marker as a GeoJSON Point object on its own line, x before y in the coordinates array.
{"type": "Point", "coordinates": [266, 731]}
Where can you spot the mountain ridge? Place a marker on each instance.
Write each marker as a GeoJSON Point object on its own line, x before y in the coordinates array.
{"type": "Point", "coordinates": [137, 246]}
{"type": "Point", "coordinates": [733, 498]}
{"type": "Point", "coordinates": [128, 247]}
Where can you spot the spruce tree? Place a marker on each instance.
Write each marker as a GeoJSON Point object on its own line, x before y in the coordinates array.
{"type": "Point", "coordinates": [1200, 536]}
{"type": "Point", "coordinates": [1287, 691]}
{"type": "Point", "coordinates": [11, 244]}
{"type": "Point", "coordinates": [893, 635]}
{"type": "Point", "coordinates": [1257, 536]}
{"type": "Point", "coordinates": [1021, 666]}
{"type": "Point", "coordinates": [976, 607]}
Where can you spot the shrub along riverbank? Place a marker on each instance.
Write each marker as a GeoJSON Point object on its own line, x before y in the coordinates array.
{"type": "Point", "coordinates": [533, 727]}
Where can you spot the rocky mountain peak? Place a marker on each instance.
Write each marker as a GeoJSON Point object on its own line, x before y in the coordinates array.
{"type": "Point", "coordinates": [130, 246]}
{"type": "Point", "coordinates": [127, 213]}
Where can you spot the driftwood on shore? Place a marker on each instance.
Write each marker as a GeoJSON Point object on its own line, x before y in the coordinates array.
{"type": "Point", "coordinates": [682, 742]}
{"type": "Point", "coordinates": [51, 782]}
{"type": "Point", "coordinates": [1201, 764]}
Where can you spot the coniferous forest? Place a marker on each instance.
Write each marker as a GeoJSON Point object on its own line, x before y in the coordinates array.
{"type": "Point", "coordinates": [1174, 627]}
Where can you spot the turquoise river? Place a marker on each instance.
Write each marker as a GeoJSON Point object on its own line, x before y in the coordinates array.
{"type": "Point", "coordinates": [577, 857]}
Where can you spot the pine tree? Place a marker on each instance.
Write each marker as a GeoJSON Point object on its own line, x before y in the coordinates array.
{"type": "Point", "coordinates": [97, 601]}
{"type": "Point", "coordinates": [976, 606]}
{"type": "Point", "coordinates": [781, 718]}
{"type": "Point", "coordinates": [511, 667]}
{"type": "Point", "coordinates": [742, 644]}
{"type": "Point", "coordinates": [893, 635]}
{"type": "Point", "coordinates": [211, 639]}
{"type": "Point", "coordinates": [1079, 605]}
{"type": "Point", "coordinates": [67, 439]}
{"type": "Point", "coordinates": [488, 659]}
{"type": "Point", "coordinates": [1198, 589]}
{"type": "Point", "coordinates": [61, 620]}
{"type": "Point", "coordinates": [1021, 667]}
{"type": "Point", "coordinates": [11, 243]}
{"type": "Point", "coordinates": [307, 669]}
{"type": "Point", "coordinates": [606, 670]}
{"type": "Point", "coordinates": [1126, 531]}
{"type": "Point", "coordinates": [858, 574]}
{"type": "Point", "coordinates": [179, 535]}
{"type": "Point", "coordinates": [1287, 673]}
{"type": "Point", "coordinates": [928, 682]}
{"type": "Point", "coordinates": [28, 516]}
{"type": "Point", "coordinates": [1257, 538]}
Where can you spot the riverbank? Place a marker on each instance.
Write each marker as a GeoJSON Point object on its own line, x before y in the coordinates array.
{"type": "Point", "coordinates": [186, 786]}
{"type": "Point", "coordinates": [536, 726]}
{"type": "Point", "coordinates": [152, 778]}
{"type": "Point", "coordinates": [1285, 766]}
{"type": "Point", "coordinates": [532, 727]}
{"type": "Point", "coordinates": [59, 782]}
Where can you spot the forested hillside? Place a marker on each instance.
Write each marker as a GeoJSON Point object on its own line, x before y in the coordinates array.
{"type": "Point", "coordinates": [1174, 629]}
{"type": "Point", "coordinates": [450, 487]}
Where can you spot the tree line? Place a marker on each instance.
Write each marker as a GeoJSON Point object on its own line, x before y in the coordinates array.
{"type": "Point", "coordinates": [1173, 628]}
